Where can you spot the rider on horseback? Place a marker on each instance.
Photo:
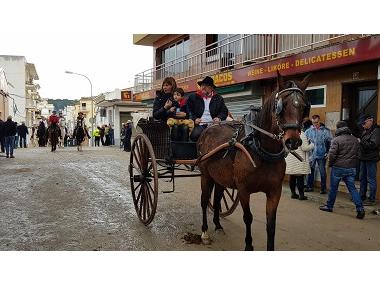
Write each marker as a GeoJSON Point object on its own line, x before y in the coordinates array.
{"type": "Point", "coordinates": [53, 122]}
{"type": "Point", "coordinates": [81, 123]}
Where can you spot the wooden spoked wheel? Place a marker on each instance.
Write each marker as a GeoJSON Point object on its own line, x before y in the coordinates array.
{"type": "Point", "coordinates": [144, 178]}
{"type": "Point", "coordinates": [228, 203]}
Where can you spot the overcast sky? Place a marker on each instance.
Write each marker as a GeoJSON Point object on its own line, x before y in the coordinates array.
{"type": "Point", "coordinates": [95, 37]}
{"type": "Point", "coordinates": [110, 60]}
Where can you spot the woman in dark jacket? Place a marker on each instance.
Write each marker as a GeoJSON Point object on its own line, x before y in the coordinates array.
{"type": "Point", "coordinates": [164, 99]}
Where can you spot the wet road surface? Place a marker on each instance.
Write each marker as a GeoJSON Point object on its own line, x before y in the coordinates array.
{"type": "Point", "coordinates": [81, 201]}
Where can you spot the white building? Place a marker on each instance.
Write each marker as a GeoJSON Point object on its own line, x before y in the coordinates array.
{"type": "Point", "coordinates": [116, 107]}
{"type": "Point", "coordinates": [45, 108]}
{"type": "Point", "coordinates": [32, 95]}
{"type": "Point", "coordinates": [20, 76]}
{"type": "Point", "coordinates": [3, 95]}
{"type": "Point", "coordinates": [70, 116]}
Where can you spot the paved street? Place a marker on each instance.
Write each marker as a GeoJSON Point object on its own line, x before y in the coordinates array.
{"type": "Point", "coordinates": [81, 201]}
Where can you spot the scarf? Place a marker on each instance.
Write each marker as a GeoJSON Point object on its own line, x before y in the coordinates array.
{"type": "Point", "coordinates": [201, 94]}
{"type": "Point", "coordinates": [182, 102]}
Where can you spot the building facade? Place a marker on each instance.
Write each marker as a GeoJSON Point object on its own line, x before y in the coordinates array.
{"type": "Point", "coordinates": [115, 108]}
{"type": "Point", "coordinates": [3, 95]}
{"type": "Point", "coordinates": [45, 109]}
{"type": "Point", "coordinates": [22, 90]}
{"type": "Point", "coordinates": [70, 116]}
{"type": "Point", "coordinates": [32, 96]}
{"type": "Point", "coordinates": [345, 68]}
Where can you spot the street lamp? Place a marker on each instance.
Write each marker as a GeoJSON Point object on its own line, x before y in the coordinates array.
{"type": "Point", "coordinates": [92, 102]}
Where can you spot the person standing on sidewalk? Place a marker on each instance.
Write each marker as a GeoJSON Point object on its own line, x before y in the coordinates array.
{"type": "Point", "coordinates": [15, 144]}
{"type": "Point", "coordinates": [369, 156]}
{"type": "Point", "coordinates": [342, 158]}
{"type": "Point", "coordinates": [22, 131]}
{"type": "Point", "coordinates": [107, 134]}
{"type": "Point", "coordinates": [112, 135]}
{"type": "Point", "coordinates": [2, 137]}
{"type": "Point", "coordinates": [9, 133]}
{"type": "Point", "coordinates": [320, 136]}
{"type": "Point", "coordinates": [101, 132]}
{"type": "Point", "coordinates": [128, 135]}
{"type": "Point", "coordinates": [96, 135]}
{"type": "Point", "coordinates": [298, 169]}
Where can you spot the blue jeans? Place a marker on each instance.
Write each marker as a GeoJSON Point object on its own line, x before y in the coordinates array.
{"type": "Point", "coordinates": [348, 176]}
{"type": "Point", "coordinates": [9, 145]}
{"type": "Point", "coordinates": [15, 142]}
{"type": "Point", "coordinates": [368, 170]}
{"type": "Point", "coordinates": [322, 170]}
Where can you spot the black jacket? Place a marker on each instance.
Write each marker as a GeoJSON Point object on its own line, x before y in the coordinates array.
{"type": "Point", "coordinates": [41, 130]}
{"type": "Point", "coordinates": [22, 131]}
{"type": "Point", "coordinates": [9, 128]}
{"type": "Point", "coordinates": [159, 112]}
{"type": "Point", "coordinates": [344, 149]}
{"type": "Point", "coordinates": [196, 107]}
{"type": "Point", "coordinates": [369, 144]}
{"type": "Point", "coordinates": [1, 128]}
{"type": "Point", "coordinates": [127, 133]}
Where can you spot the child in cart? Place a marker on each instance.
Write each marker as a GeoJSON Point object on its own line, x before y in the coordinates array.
{"type": "Point", "coordinates": [179, 122]}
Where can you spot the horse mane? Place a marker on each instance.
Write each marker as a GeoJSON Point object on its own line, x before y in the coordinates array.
{"type": "Point", "coordinates": [265, 115]}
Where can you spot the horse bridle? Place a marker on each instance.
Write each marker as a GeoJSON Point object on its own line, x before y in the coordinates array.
{"type": "Point", "coordinates": [278, 107]}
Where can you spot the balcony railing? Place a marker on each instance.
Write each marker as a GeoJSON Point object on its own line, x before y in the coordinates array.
{"type": "Point", "coordinates": [231, 53]}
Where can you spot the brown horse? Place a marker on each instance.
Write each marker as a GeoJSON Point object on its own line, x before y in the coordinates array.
{"type": "Point", "coordinates": [53, 135]}
{"type": "Point", "coordinates": [281, 115]}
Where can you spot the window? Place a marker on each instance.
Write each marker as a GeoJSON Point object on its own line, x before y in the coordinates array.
{"type": "Point", "coordinates": [173, 58]}
{"type": "Point", "coordinates": [83, 106]}
{"type": "Point", "coordinates": [223, 47]}
{"type": "Point", "coordinates": [110, 121]}
{"type": "Point", "coordinates": [317, 96]}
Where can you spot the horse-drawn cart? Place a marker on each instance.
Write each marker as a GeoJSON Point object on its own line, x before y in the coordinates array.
{"type": "Point", "coordinates": [155, 158]}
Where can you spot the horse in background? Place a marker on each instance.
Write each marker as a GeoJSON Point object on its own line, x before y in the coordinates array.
{"type": "Point", "coordinates": [79, 135]}
{"type": "Point", "coordinates": [281, 116]}
{"type": "Point", "coordinates": [53, 137]}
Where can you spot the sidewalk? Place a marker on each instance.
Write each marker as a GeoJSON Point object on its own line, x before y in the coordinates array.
{"type": "Point", "coordinates": [343, 200]}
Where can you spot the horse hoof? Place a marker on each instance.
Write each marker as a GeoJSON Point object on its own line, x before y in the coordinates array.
{"type": "Point", "coordinates": [205, 238]}
{"type": "Point", "coordinates": [220, 231]}
{"type": "Point", "coordinates": [248, 248]}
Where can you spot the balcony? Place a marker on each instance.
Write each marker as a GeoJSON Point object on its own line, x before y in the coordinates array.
{"type": "Point", "coordinates": [233, 53]}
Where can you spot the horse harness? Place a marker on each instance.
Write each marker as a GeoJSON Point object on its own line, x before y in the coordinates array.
{"type": "Point", "coordinates": [251, 139]}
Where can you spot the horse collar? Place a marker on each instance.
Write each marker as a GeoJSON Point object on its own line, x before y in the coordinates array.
{"type": "Point", "coordinates": [263, 154]}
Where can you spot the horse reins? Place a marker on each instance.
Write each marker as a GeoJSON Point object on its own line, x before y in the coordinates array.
{"type": "Point", "coordinates": [278, 109]}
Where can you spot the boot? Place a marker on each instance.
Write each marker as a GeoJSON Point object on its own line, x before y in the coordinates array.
{"type": "Point", "coordinates": [294, 194]}
{"type": "Point", "coordinates": [302, 195]}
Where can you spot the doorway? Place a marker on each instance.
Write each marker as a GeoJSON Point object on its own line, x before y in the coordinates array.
{"type": "Point", "coordinates": [358, 99]}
